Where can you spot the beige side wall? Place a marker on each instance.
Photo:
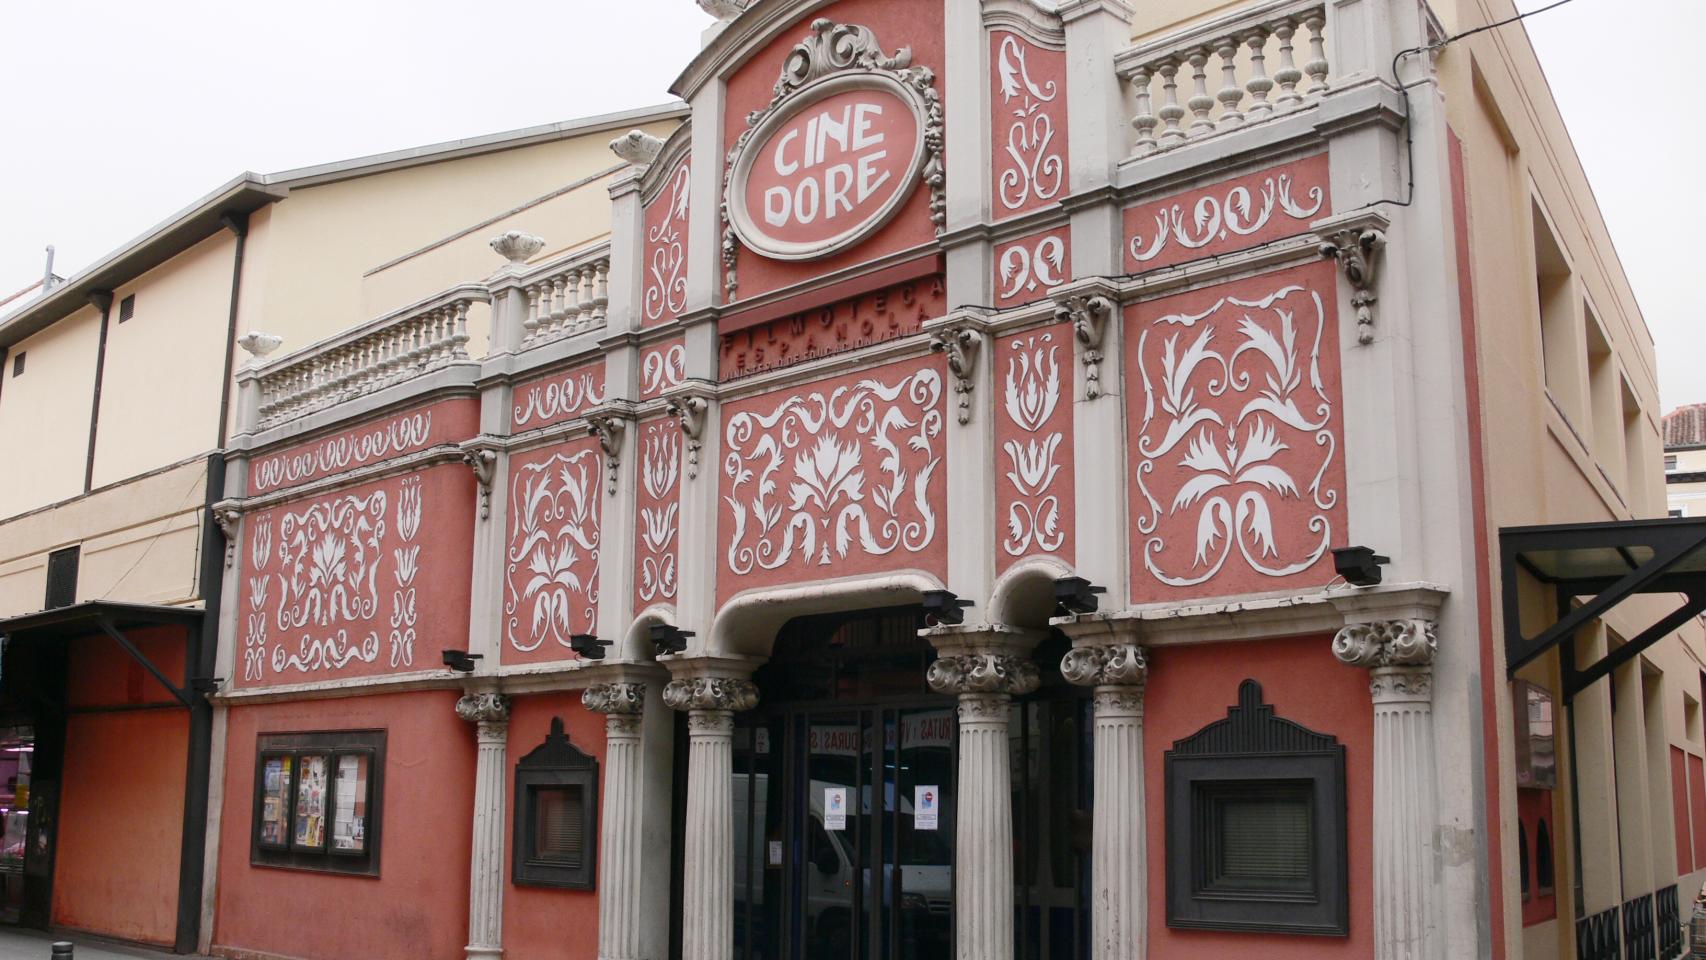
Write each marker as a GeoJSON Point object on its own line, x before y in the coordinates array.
{"type": "Point", "coordinates": [161, 389]}
{"type": "Point", "coordinates": [44, 414]}
{"type": "Point", "coordinates": [336, 232]}
{"type": "Point", "coordinates": [139, 542]}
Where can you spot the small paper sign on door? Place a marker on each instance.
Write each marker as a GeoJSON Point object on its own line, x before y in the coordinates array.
{"type": "Point", "coordinates": [775, 853]}
{"type": "Point", "coordinates": [925, 798]}
{"type": "Point", "coordinates": [835, 808]}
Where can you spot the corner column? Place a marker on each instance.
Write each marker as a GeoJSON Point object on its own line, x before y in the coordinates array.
{"type": "Point", "coordinates": [1399, 655]}
{"type": "Point", "coordinates": [619, 893]}
{"type": "Point", "coordinates": [986, 680]}
{"type": "Point", "coordinates": [1119, 877]}
{"type": "Point", "coordinates": [707, 902]}
{"type": "Point", "coordinates": [490, 713]}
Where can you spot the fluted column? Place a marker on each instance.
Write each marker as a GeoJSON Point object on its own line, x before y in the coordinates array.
{"type": "Point", "coordinates": [1118, 858]}
{"type": "Point", "coordinates": [619, 894]}
{"type": "Point", "coordinates": [707, 902]}
{"type": "Point", "coordinates": [983, 840]}
{"type": "Point", "coordinates": [490, 713]}
{"type": "Point", "coordinates": [1399, 655]}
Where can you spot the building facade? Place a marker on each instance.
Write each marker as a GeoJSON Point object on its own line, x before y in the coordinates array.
{"type": "Point", "coordinates": [910, 505]}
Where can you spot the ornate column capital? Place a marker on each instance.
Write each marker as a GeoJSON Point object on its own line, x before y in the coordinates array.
{"type": "Point", "coordinates": [483, 708]}
{"type": "Point", "coordinates": [1387, 643]}
{"type": "Point", "coordinates": [1105, 665]}
{"type": "Point", "coordinates": [620, 697]}
{"type": "Point", "coordinates": [983, 673]}
{"type": "Point", "coordinates": [731, 694]}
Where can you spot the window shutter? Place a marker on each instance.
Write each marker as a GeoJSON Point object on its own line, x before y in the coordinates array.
{"type": "Point", "coordinates": [560, 835]}
{"type": "Point", "coordinates": [1266, 839]}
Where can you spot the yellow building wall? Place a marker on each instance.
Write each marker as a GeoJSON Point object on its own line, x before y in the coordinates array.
{"type": "Point", "coordinates": [44, 414]}
{"type": "Point", "coordinates": [161, 390]}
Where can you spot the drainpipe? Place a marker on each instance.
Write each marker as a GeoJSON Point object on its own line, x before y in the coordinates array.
{"type": "Point", "coordinates": [238, 224]}
{"type": "Point", "coordinates": [101, 300]}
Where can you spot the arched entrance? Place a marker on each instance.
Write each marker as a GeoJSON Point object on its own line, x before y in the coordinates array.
{"type": "Point", "coordinates": [844, 801]}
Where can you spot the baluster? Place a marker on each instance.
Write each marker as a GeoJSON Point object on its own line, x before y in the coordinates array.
{"type": "Point", "coordinates": [587, 304]}
{"type": "Point", "coordinates": [1171, 112]}
{"type": "Point", "coordinates": [1200, 103]}
{"type": "Point", "coordinates": [438, 324]}
{"type": "Point", "coordinates": [459, 336]}
{"type": "Point", "coordinates": [1259, 83]}
{"type": "Point", "coordinates": [1317, 65]}
{"type": "Point", "coordinates": [530, 326]}
{"type": "Point", "coordinates": [1145, 119]}
{"type": "Point", "coordinates": [1287, 75]}
{"type": "Point", "coordinates": [571, 281]}
{"type": "Point", "coordinates": [559, 304]}
{"type": "Point", "coordinates": [601, 290]}
{"type": "Point", "coordinates": [1231, 94]}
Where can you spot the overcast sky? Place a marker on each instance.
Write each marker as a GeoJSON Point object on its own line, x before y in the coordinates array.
{"type": "Point", "coordinates": [118, 113]}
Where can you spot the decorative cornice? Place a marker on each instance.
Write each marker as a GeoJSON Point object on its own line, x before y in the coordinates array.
{"type": "Point", "coordinates": [483, 708]}
{"type": "Point", "coordinates": [229, 519]}
{"type": "Point", "coordinates": [615, 698]}
{"type": "Point", "coordinates": [961, 342]}
{"type": "Point", "coordinates": [484, 463]}
{"type": "Point", "coordinates": [609, 426]}
{"type": "Point", "coordinates": [689, 414]}
{"type": "Point", "coordinates": [1089, 314]}
{"type": "Point", "coordinates": [1387, 643]}
{"type": "Point", "coordinates": [983, 673]}
{"type": "Point", "coordinates": [1355, 241]}
{"type": "Point", "coordinates": [711, 693]}
{"type": "Point", "coordinates": [1106, 665]}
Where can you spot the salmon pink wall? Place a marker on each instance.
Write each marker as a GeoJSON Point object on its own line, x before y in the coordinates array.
{"type": "Point", "coordinates": [447, 421]}
{"type": "Point", "coordinates": [1028, 118]}
{"type": "Point", "coordinates": [551, 588]}
{"type": "Point", "coordinates": [835, 478]}
{"type": "Point", "coordinates": [1236, 437]}
{"type": "Point", "coordinates": [1033, 432]}
{"type": "Point", "coordinates": [121, 813]}
{"type": "Point", "coordinates": [663, 365]}
{"type": "Point", "coordinates": [418, 905]}
{"type": "Point", "coordinates": [657, 513]}
{"type": "Point", "coordinates": [549, 923]}
{"type": "Point", "coordinates": [1192, 686]}
{"type": "Point", "coordinates": [101, 674]}
{"type": "Point", "coordinates": [1679, 808]}
{"type": "Point", "coordinates": [1230, 215]}
{"type": "Point", "coordinates": [1025, 268]}
{"type": "Point", "coordinates": [1697, 808]}
{"type": "Point", "coordinates": [369, 580]}
{"type": "Point", "coordinates": [665, 269]}
{"type": "Point", "coordinates": [1533, 808]}
{"type": "Point", "coordinates": [557, 397]}
{"type": "Point", "coordinates": [916, 24]}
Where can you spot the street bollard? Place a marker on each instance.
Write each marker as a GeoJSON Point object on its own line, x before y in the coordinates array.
{"type": "Point", "coordinates": [61, 949]}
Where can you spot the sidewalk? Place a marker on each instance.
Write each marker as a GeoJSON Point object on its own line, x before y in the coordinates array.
{"type": "Point", "coordinates": [17, 944]}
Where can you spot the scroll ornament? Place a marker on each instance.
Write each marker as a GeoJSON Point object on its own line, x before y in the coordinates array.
{"type": "Point", "coordinates": [483, 708]}
{"type": "Point", "coordinates": [615, 698]}
{"type": "Point", "coordinates": [711, 693]}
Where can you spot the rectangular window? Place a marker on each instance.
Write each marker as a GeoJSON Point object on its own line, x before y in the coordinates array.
{"type": "Point", "coordinates": [1670, 462]}
{"type": "Point", "coordinates": [127, 308]}
{"type": "Point", "coordinates": [62, 577]}
{"type": "Point", "coordinates": [317, 801]}
{"type": "Point", "coordinates": [18, 365]}
{"type": "Point", "coordinates": [556, 815]}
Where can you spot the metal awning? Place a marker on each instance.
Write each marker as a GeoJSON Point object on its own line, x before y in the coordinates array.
{"type": "Point", "coordinates": [1601, 564]}
{"type": "Point", "coordinates": [112, 619]}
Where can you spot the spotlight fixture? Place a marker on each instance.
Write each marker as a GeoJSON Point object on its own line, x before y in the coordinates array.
{"type": "Point", "coordinates": [943, 607]}
{"type": "Point", "coordinates": [460, 660]}
{"type": "Point", "coordinates": [588, 645]}
{"type": "Point", "coordinates": [206, 685]}
{"type": "Point", "coordinates": [1075, 595]}
{"type": "Point", "coordinates": [668, 639]}
{"type": "Point", "coordinates": [1360, 566]}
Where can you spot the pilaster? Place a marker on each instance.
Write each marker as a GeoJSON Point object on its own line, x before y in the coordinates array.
{"type": "Point", "coordinates": [490, 714]}
{"type": "Point", "coordinates": [1399, 655]}
{"type": "Point", "coordinates": [1098, 421]}
{"type": "Point", "coordinates": [1116, 669]}
{"type": "Point", "coordinates": [621, 919]}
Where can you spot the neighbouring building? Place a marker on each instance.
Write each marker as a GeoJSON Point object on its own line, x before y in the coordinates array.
{"type": "Point", "coordinates": [980, 478]}
{"type": "Point", "coordinates": [1685, 460]}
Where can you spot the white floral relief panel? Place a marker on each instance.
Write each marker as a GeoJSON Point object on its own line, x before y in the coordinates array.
{"type": "Point", "coordinates": [558, 397]}
{"type": "Point", "coordinates": [663, 366]}
{"type": "Point", "coordinates": [1028, 123]}
{"type": "Point", "coordinates": [1033, 438]}
{"type": "Point", "coordinates": [1235, 445]}
{"type": "Point", "coordinates": [658, 514]}
{"type": "Point", "coordinates": [835, 478]}
{"type": "Point", "coordinates": [551, 559]}
{"type": "Point", "coordinates": [331, 585]}
{"type": "Point", "coordinates": [665, 290]}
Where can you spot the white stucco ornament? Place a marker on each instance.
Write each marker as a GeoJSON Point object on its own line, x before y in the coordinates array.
{"type": "Point", "coordinates": [848, 135]}
{"type": "Point", "coordinates": [257, 344]}
{"type": "Point", "coordinates": [636, 147]}
{"type": "Point", "coordinates": [517, 247]}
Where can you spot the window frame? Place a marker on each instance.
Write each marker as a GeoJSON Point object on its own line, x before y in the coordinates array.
{"type": "Point", "coordinates": [555, 763]}
{"type": "Point", "coordinates": [333, 745]}
{"type": "Point", "coordinates": [1250, 748]}
{"type": "Point", "coordinates": [127, 308]}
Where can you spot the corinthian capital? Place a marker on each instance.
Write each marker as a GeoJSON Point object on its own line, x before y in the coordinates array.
{"type": "Point", "coordinates": [620, 698]}
{"type": "Point", "coordinates": [1387, 643]}
{"type": "Point", "coordinates": [483, 708]}
{"type": "Point", "coordinates": [983, 673]}
{"type": "Point", "coordinates": [711, 693]}
{"type": "Point", "coordinates": [1105, 665]}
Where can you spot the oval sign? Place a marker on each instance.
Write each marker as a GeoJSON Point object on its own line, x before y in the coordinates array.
{"type": "Point", "coordinates": [828, 168]}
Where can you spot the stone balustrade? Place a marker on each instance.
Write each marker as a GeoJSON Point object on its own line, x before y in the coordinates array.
{"type": "Point", "coordinates": [399, 346]}
{"type": "Point", "coordinates": [567, 296]}
{"type": "Point", "coordinates": [1226, 73]}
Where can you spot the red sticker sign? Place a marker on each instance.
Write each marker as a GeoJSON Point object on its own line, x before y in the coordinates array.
{"type": "Point", "coordinates": [829, 168]}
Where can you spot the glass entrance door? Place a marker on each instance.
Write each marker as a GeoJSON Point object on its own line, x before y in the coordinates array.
{"type": "Point", "coordinates": [844, 833]}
